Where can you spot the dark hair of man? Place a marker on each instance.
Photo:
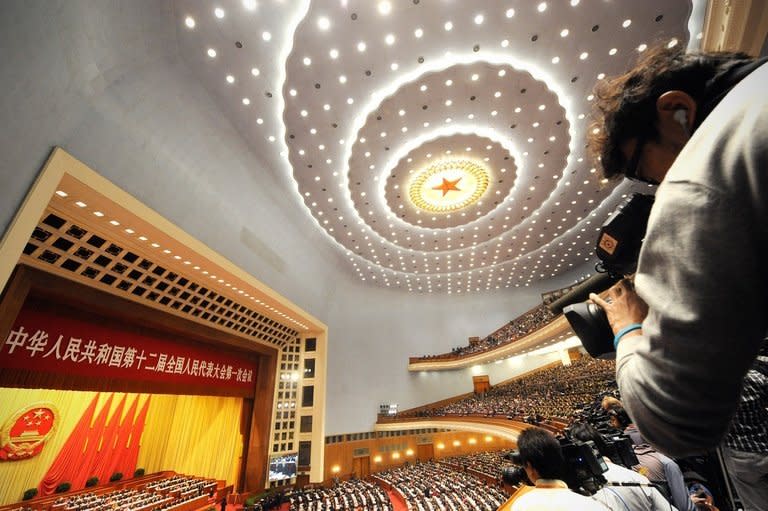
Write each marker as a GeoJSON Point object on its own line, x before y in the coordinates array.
{"type": "Point", "coordinates": [585, 432]}
{"type": "Point", "coordinates": [625, 105]}
{"type": "Point", "coordinates": [542, 450]}
{"type": "Point", "coordinates": [621, 416]}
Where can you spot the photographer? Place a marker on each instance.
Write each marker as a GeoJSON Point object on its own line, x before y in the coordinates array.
{"type": "Point", "coordinates": [542, 458]}
{"type": "Point", "coordinates": [697, 124]}
{"type": "Point", "coordinates": [643, 496]}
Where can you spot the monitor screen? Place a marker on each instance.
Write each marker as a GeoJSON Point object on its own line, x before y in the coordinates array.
{"type": "Point", "coordinates": [282, 467]}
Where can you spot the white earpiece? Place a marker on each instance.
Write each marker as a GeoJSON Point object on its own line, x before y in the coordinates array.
{"type": "Point", "coordinates": [681, 116]}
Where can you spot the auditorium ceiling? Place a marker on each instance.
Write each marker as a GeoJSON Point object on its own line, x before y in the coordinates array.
{"type": "Point", "coordinates": [439, 144]}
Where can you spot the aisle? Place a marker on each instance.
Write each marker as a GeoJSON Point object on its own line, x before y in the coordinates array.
{"type": "Point", "coordinates": [398, 504]}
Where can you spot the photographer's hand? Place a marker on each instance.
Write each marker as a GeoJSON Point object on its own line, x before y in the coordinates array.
{"type": "Point", "coordinates": [623, 306]}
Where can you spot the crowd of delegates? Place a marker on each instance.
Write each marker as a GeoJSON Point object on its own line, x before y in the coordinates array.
{"type": "Point", "coordinates": [347, 495]}
{"type": "Point", "coordinates": [121, 499]}
{"type": "Point", "coordinates": [490, 463]}
{"type": "Point", "coordinates": [157, 495]}
{"type": "Point", "coordinates": [437, 487]}
{"type": "Point", "coordinates": [552, 393]}
{"type": "Point", "coordinates": [512, 331]}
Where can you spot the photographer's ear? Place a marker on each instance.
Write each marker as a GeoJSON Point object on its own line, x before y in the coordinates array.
{"type": "Point", "coordinates": [676, 113]}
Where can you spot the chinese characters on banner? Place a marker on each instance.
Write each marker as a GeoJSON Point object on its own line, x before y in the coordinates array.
{"type": "Point", "coordinates": [63, 340]}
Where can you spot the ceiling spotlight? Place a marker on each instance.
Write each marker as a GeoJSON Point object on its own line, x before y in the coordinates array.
{"type": "Point", "coordinates": [334, 53]}
{"type": "Point", "coordinates": [361, 46]}
{"type": "Point", "coordinates": [401, 113]}
{"type": "Point", "coordinates": [672, 43]}
{"type": "Point", "coordinates": [502, 72]}
{"type": "Point", "coordinates": [211, 53]}
{"type": "Point", "coordinates": [479, 19]}
{"type": "Point", "coordinates": [266, 36]}
{"type": "Point", "coordinates": [292, 92]}
{"type": "Point", "coordinates": [510, 13]}
{"type": "Point", "coordinates": [555, 60]}
{"type": "Point", "coordinates": [393, 66]}
{"type": "Point", "coordinates": [190, 22]}
{"type": "Point", "coordinates": [323, 23]}
{"type": "Point", "coordinates": [542, 7]}
{"type": "Point", "coordinates": [390, 39]}
{"type": "Point", "coordinates": [564, 32]}
{"type": "Point", "coordinates": [612, 51]}
{"type": "Point", "coordinates": [423, 88]}
{"type": "Point", "coordinates": [584, 55]}
{"type": "Point", "coordinates": [384, 8]}
{"type": "Point", "coordinates": [255, 71]}
{"type": "Point", "coordinates": [307, 61]}
{"type": "Point", "coordinates": [218, 12]}
{"type": "Point", "coordinates": [497, 94]}
{"type": "Point", "coordinates": [230, 79]}
{"type": "Point", "coordinates": [418, 33]}
{"type": "Point", "coordinates": [259, 121]}
{"type": "Point", "coordinates": [342, 79]}
{"type": "Point", "coordinates": [246, 101]}
{"type": "Point", "coordinates": [448, 26]}
{"type": "Point", "coordinates": [626, 23]}
{"type": "Point", "coordinates": [475, 77]}
{"type": "Point", "coordinates": [642, 47]}
{"type": "Point", "coordinates": [505, 43]}
{"type": "Point", "coordinates": [249, 4]}
{"type": "Point", "coordinates": [574, 3]}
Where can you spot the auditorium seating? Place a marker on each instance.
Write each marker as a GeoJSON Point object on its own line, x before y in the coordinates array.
{"type": "Point", "coordinates": [347, 495]}
{"type": "Point", "coordinates": [516, 329]}
{"type": "Point", "coordinates": [438, 487]}
{"type": "Point", "coordinates": [489, 464]}
{"type": "Point", "coordinates": [552, 393]}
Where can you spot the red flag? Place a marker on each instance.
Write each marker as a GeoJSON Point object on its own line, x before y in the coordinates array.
{"type": "Point", "coordinates": [101, 462]}
{"type": "Point", "coordinates": [132, 452]}
{"type": "Point", "coordinates": [68, 459]}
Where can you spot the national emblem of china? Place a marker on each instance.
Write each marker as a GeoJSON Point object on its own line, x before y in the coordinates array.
{"type": "Point", "coordinates": [25, 432]}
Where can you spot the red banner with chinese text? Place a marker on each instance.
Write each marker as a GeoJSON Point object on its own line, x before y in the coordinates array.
{"type": "Point", "coordinates": [47, 338]}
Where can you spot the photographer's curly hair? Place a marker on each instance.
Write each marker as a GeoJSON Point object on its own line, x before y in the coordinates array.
{"type": "Point", "coordinates": [625, 105]}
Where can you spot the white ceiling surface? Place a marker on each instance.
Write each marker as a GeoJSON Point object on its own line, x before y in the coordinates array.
{"type": "Point", "coordinates": [350, 98]}
{"type": "Point", "coordinates": [129, 89]}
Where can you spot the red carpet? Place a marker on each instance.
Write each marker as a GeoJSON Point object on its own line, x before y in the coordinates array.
{"type": "Point", "coordinates": [398, 504]}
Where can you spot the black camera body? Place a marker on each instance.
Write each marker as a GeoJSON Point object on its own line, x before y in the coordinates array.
{"type": "Point", "coordinates": [583, 467]}
{"type": "Point", "coordinates": [618, 248]}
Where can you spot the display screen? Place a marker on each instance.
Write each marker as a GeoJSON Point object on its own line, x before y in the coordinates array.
{"type": "Point", "coordinates": [282, 467]}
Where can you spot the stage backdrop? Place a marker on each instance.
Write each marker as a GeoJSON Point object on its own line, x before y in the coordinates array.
{"type": "Point", "coordinates": [196, 435]}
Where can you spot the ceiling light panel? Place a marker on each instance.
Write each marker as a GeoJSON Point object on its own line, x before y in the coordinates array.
{"type": "Point", "coordinates": [389, 91]}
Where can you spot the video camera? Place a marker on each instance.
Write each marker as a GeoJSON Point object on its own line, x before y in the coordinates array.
{"type": "Point", "coordinates": [583, 467]}
{"type": "Point", "coordinates": [618, 248]}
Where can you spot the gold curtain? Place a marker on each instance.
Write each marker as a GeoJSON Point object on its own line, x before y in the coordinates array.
{"type": "Point", "coordinates": [194, 435]}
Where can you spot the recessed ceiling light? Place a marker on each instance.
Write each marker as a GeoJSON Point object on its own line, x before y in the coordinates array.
{"type": "Point", "coordinates": [418, 33]}
{"type": "Point", "coordinates": [475, 77]}
{"type": "Point", "coordinates": [326, 107]}
{"type": "Point", "coordinates": [574, 3]}
{"type": "Point", "coordinates": [510, 13]}
{"type": "Point", "coordinates": [334, 53]}
{"type": "Point", "coordinates": [98, 213]}
{"type": "Point", "coordinates": [249, 4]}
{"type": "Point", "coordinates": [80, 204]}
{"type": "Point", "coordinates": [246, 101]}
{"type": "Point", "coordinates": [61, 193]}
{"type": "Point", "coordinates": [497, 94]}
{"type": "Point", "coordinates": [505, 43]}
{"type": "Point", "coordinates": [584, 55]}
{"type": "Point", "coordinates": [423, 88]}
{"type": "Point", "coordinates": [542, 7]}
{"type": "Point", "coordinates": [389, 39]}
{"type": "Point", "coordinates": [230, 79]}
{"type": "Point", "coordinates": [564, 32]}
{"type": "Point", "coordinates": [642, 47]}
{"type": "Point", "coordinates": [323, 23]}
{"type": "Point", "coordinates": [672, 43]}
{"type": "Point", "coordinates": [479, 19]}
{"type": "Point", "coordinates": [361, 46]}
{"type": "Point", "coordinates": [218, 12]}
{"type": "Point", "coordinates": [189, 22]}
{"type": "Point", "coordinates": [612, 51]}
{"type": "Point", "coordinates": [114, 222]}
{"type": "Point", "coordinates": [350, 101]}
{"type": "Point", "coordinates": [307, 61]}
{"type": "Point", "coordinates": [259, 121]}
{"type": "Point", "coordinates": [211, 52]}
{"type": "Point", "coordinates": [266, 36]}
{"type": "Point", "coordinates": [393, 66]}
{"type": "Point", "coordinates": [342, 79]}
{"type": "Point", "coordinates": [448, 26]}
{"type": "Point", "coordinates": [502, 72]}
{"type": "Point", "coordinates": [401, 113]}
{"type": "Point", "coordinates": [292, 92]}
{"type": "Point", "coordinates": [255, 71]}
{"type": "Point", "coordinates": [626, 23]}
{"type": "Point", "coordinates": [384, 8]}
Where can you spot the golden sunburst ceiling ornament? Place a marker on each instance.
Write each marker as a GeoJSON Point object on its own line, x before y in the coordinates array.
{"type": "Point", "coordinates": [448, 185]}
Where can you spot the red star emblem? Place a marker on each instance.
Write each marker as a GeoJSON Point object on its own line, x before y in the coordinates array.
{"type": "Point", "coordinates": [447, 185]}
